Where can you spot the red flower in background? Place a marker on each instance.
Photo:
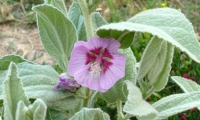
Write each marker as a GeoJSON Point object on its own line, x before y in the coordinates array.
{"type": "Point", "coordinates": [189, 78]}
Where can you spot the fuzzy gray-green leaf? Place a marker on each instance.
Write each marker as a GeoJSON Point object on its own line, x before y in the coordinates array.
{"type": "Point", "coordinates": [77, 19]}
{"type": "Point", "coordinates": [35, 111]}
{"type": "Point", "coordinates": [158, 66]}
{"type": "Point", "coordinates": [176, 103]}
{"type": "Point", "coordinates": [149, 57]}
{"type": "Point", "coordinates": [136, 106]}
{"type": "Point", "coordinates": [57, 33]}
{"type": "Point", "coordinates": [166, 23]}
{"type": "Point", "coordinates": [7, 59]}
{"type": "Point", "coordinates": [21, 111]}
{"type": "Point", "coordinates": [60, 4]}
{"type": "Point", "coordinates": [13, 92]}
{"type": "Point", "coordinates": [38, 81]}
{"type": "Point", "coordinates": [185, 84]}
{"type": "Point", "coordinates": [90, 114]}
{"type": "Point", "coordinates": [97, 21]}
{"type": "Point", "coordinates": [164, 74]}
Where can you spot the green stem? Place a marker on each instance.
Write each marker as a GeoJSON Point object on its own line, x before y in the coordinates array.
{"type": "Point", "coordinates": [120, 115]}
{"type": "Point", "coordinates": [149, 92]}
{"type": "Point", "coordinates": [144, 87]}
{"type": "Point", "coordinates": [127, 116]}
{"type": "Point", "coordinates": [95, 95]}
{"type": "Point", "coordinates": [86, 101]}
{"type": "Point", "coordinates": [87, 18]}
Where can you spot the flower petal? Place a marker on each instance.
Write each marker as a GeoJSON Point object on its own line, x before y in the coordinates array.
{"type": "Point", "coordinates": [79, 43]}
{"type": "Point", "coordinates": [113, 45]}
{"type": "Point", "coordinates": [83, 77]}
{"type": "Point", "coordinates": [114, 72]}
{"type": "Point", "coordinates": [78, 59]}
{"type": "Point", "coordinates": [96, 42]}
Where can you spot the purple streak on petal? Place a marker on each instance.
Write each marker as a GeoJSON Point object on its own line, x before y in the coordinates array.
{"type": "Point", "coordinates": [96, 51]}
{"type": "Point", "coordinates": [115, 71]}
{"type": "Point", "coordinates": [106, 65]}
{"type": "Point", "coordinates": [90, 58]}
{"type": "Point", "coordinates": [106, 53]}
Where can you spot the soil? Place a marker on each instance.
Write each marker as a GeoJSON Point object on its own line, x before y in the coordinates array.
{"type": "Point", "coordinates": [24, 41]}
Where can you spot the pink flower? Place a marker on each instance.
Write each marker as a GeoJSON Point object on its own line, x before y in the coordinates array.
{"type": "Point", "coordinates": [96, 63]}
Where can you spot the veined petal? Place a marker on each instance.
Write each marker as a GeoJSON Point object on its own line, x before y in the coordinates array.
{"type": "Point", "coordinates": [79, 43]}
{"type": "Point", "coordinates": [81, 74]}
{"type": "Point", "coordinates": [94, 84]}
{"type": "Point", "coordinates": [114, 72]}
{"type": "Point", "coordinates": [78, 59]}
{"type": "Point", "coordinates": [83, 77]}
{"type": "Point", "coordinates": [96, 42]}
{"type": "Point", "coordinates": [113, 45]}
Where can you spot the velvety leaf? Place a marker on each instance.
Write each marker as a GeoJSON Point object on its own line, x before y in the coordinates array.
{"type": "Point", "coordinates": [21, 111]}
{"type": "Point", "coordinates": [164, 74]}
{"type": "Point", "coordinates": [166, 23]}
{"type": "Point", "coordinates": [149, 57]}
{"type": "Point", "coordinates": [77, 19]}
{"type": "Point", "coordinates": [158, 65]}
{"type": "Point", "coordinates": [38, 110]}
{"type": "Point", "coordinates": [83, 92]}
{"type": "Point", "coordinates": [38, 82]}
{"type": "Point", "coordinates": [7, 59]}
{"type": "Point", "coordinates": [90, 114]}
{"type": "Point", "coordinates": [60, 4]}
{"type": "Point", "coordinates": [185, 84]}
{"type": "Point", "coordinates": [117, 92]}
{"type": "Point", "coordinates": [57, 33]}
{"type": "Point", "coordinates": [35, 111]}
{"type": "Point", "coordinates": [136, 106]}
{"type": "Point", "coordinates": [176, 103]}
{"type": "Point", "coordinates": [97, 20]}
{"type": "Point", "coordinates": [13, 92]}
{"type": "Point", "coordinates": [55, 115]}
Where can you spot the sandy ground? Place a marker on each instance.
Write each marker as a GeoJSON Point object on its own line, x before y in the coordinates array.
{"type": "Point", "coordinates": [23, 41]}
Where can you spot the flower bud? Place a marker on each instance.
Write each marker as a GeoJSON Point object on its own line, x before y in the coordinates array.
{"type": "Point", "coordinates": [67, 83]}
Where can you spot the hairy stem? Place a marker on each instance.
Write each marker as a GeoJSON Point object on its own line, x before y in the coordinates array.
{"type": "Point", "coordinates": [87, 18]}
{"type": "Point", "coordinates": [89, 94]}
{"type": "Point", "coordinates": [127, 116]}
{"type": "Point", "coordinates": [94, 97]}
{"type": "Point", "coordinates": [150, 92]}
{"type": "Point", "coordinates": [120, 115]}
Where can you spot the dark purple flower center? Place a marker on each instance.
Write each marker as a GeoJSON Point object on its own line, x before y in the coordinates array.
{"type": "Point", "coordinates": [99, 60]}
